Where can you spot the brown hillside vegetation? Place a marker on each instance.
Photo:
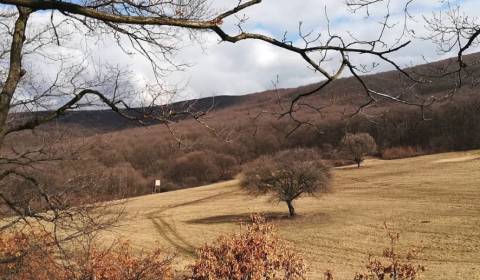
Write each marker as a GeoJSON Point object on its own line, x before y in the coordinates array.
{"type": "Point", "coordinates": [124, 160]}
{"type": "Point", "coordinates": [432, 200]}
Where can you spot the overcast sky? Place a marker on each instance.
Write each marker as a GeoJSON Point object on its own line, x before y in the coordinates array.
{"type": "Point", "coordinates": [250, 66]}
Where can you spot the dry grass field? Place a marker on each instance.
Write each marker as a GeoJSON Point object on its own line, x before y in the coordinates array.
{"type": "Point", "coordinates": [433, 200]}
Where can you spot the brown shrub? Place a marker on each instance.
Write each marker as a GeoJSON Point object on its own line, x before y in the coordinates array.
{"type": "Point", "coordinates": [33, 256]}
{"type": "Point", "coordinates": [227, 165]}
{"type": "Point", "coordinates": [106, 154]}
{"type": "Point", "coordinates": [28, 256]}
{"type": "Point", "coordinates": [195, 165]}
{"type": "Point", "coordinates": [120, 263]}
{"type": "Point", "coordinates": [402, 152]}
{"type": "Point", "coordinates": [151, 157]}
{"type": "Point", "coordinates": [261, 142]}
{"type": "Point", "coordinates": [256, 253]}
{"type": "Point", "coordinates": [392, 265]}
{"type": "Point", "coordinates": [237, 149]}
{"type": "Point", "coordinates": [122, 181]}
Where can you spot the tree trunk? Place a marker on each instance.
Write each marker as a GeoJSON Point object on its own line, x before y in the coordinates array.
{"type": "Point", "coordinates": [15, 71]}
{"type": "Point", "coordinates": [291, 209]}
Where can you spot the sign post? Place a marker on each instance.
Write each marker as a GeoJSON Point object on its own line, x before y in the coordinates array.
{"type": "Point", "coordinates": [156, 188]}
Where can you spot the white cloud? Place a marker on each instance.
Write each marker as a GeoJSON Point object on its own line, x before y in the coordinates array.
{"type": "Point", "coordinates": [250, 66]}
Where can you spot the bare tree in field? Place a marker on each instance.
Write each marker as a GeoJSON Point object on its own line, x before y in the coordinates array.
{"type": "Point", "coordinates": [287, 176]}
{"type": "Point", "coordinates": [358, 146]}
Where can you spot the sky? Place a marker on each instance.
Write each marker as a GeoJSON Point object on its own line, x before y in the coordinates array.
{"type": "Point", "coordinates": [250, 66]}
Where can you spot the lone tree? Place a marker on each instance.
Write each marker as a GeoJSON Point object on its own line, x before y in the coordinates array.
{"type": "Point", "coordinates": [359, 145]}
{"type": "Point", "coordinates": [288, 175]}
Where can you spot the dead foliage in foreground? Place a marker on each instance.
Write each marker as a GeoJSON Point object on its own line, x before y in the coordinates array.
{"type": "Point", "coordinates": [256, 253]}
{"type": "Point", "coordinates": [392, 265]}
{"type": "Point", "coordinates": [33, 256]}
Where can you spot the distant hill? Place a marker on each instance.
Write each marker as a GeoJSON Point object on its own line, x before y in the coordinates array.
{"type": "Point", "coordinates": [107, 120]}
{"type": "Point", "coordinates": [346, 93]}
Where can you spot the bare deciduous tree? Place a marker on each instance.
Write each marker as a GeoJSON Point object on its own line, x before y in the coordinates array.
{"type": "Point", "coordinates": [288, 175]}
{"type": "Point", "coordinates": [358, 146]}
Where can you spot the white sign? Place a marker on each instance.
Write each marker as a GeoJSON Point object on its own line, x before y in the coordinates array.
{"type": "Point", "coordinates": [157, 183]}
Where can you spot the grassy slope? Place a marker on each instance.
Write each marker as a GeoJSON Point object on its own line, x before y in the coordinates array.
{"type": "Point", "coordinates": [434, 200]}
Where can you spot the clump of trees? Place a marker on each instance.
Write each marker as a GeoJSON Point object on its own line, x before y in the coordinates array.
{"type": "Point", "coordinates": [358, 146]}
{"type": "Point", "coordinates": [193, 168]}
{"type": "Point", "coordinates": [287, 175]}
{"type": "Point", "coordinates": [129, 165]}
{"type": "Point", "coordinates": [401, 152]}
{"type": "Point", "coordinates": [256, 253]}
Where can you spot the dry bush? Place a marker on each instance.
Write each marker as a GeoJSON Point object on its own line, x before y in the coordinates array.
{"type": "Point", "coordinates": [236, 149]}
{"type": "Point", "coordinates": [256, 253]}
{"type": "Point", "coordinates": [402, 152]}
{"type": "Point", "coordinates": [121, 263]}
{"type": "Point", "coordinates": [123, 181]}
{"type": "Point", "coordinates": [194, 168]}
{"type": "Point", "coordinates": [105, 153]}
{"type": "Point", "coordinates": [202, 141]}
{"type": "Point", "coordinates": [261, 141]}
{"type": "Point", "coordinates": [288, 175]}
{"type": "Point", "coordinates": [150, 157]}
{"type": "Point", "coordinates": [227, 165]}
{"type": "Point", "coordinates": [29, 256]}
{"type": "Point", "coordinates": [359, 145]}
{"type": "Point", "coordinates": [33, 256]}
{"type": "Point", "coordinates": [392, 265]}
